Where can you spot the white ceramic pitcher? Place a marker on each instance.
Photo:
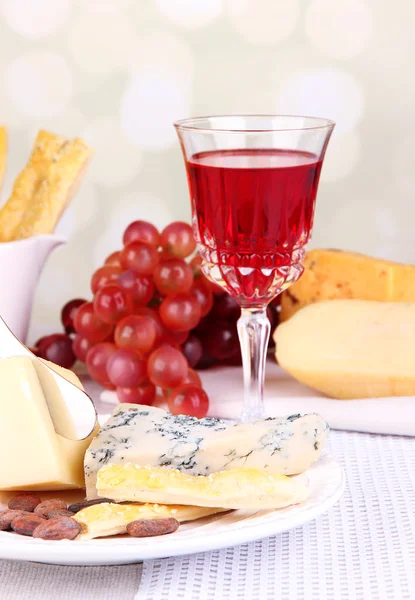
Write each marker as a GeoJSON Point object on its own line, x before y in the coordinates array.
{"type": "Point", "coordinates": [21, 263]}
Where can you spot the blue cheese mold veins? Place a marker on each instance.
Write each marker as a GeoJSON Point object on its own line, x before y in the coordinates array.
{"type": "Point", "coordinates": [150, 436]}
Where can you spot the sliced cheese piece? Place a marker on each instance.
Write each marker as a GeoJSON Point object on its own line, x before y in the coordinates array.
{"type": "Point", "coordinates": [34, 456]}
{"type": "Point", "coordinates": [150, 436]}
{"type": "Point", "coordinates": [351, 348]}
{"type": "Point", "coordinates": [102, 520]}
{"type": "Point", "coordinates": [238, 488]}
{"type": "Point", "coordinates": [338, 274]}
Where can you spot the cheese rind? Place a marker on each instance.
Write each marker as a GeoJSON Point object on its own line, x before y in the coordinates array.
{"type": "Point", "coordinates": [108, 519]}
{"type": "Point", "coordinates": [149, 436]}
{"type": "Point", "coordinates": [338, 274]}
{"type": "Point", "coordinates": [34, 456]}
{"type": "Point", "coordinates": [238, 488]}
{"type": "Point", "coordinates": [350, 349]}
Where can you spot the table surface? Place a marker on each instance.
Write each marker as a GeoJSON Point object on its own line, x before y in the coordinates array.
{"type": "Point", "coordinates": [362, 549]}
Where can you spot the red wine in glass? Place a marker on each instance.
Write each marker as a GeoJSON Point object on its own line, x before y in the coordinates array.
{"type": "Point", "coordinates": [254, 212]}
{"type": "Point", "coordinates": [253, 183]}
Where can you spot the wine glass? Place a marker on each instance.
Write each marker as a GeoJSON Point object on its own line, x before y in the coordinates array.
{"type": "Point", "coordinates": [253, 182]}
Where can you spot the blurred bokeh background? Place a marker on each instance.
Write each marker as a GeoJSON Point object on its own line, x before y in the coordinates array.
{"type": "Point", "coordinates": [119, 72]}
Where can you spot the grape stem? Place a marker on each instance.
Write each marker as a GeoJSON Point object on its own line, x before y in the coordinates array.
{"type": "Point", "coordinates": [254, 331]}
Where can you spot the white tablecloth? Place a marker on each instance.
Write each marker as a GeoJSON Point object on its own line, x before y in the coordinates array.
{"type": "Point", "coordinates": [362, 549]}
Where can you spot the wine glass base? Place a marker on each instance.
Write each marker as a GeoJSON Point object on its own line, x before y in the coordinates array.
{"type": "Point", "coordinates": [252, 415]}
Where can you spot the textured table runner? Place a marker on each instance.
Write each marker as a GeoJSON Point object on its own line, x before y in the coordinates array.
{"type": "Point", "coordinates": [362, 549]}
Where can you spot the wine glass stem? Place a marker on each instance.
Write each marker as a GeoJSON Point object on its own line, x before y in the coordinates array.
{"type": "Point", "coordinates": [253, 330]}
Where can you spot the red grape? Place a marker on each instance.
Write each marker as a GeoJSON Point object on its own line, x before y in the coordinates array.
{"type": "Point", "coordinates": [68, 314]}
{"type": "Point", "coordinates": [145, 393]}
{"type": "Point", "coordinates": [89, 325]}
{"type": "Point", "coordinates": [112, 303]}
{"type": "Point", "coordinates": [173, 276]}
{"type": "Point", "coordinates": [96, 361]}
{"type": "Point", "coordinates": [167, 367]}
{"type": "Point", "coordinates": [80, 347]}
{"type": "Point", "coordinates": [226, 308]}
{"type": "Point", "coordinates": [103, 276]}
{"type": "Point", "coordinates": [206, 360]}
{"type": "Point", "coordinates": [136, 331]}
{"type": "Point", "coordinates": [140, 258]}
{"type": "Point", "coordinates": [203, 295]}
{"type": "Point", "coordinates": [176, 338]}
{"type": "Point", "coordinates": [141, 231]}
{"type": "Point", "coordinates": [192, 379]}
{"type": "Point", "coordinates": [222, 342]}
{"type": "Point", "coordinates": [180, 312]}
{"type": "Point", "coordinates": [161, 331]}
{"type": "Point", "coordinates": [193, 350]}
{"type": "Point", "coordinates": [178, 240]}
{"type": "Point", "coordinates": [57, 348]}
{"type": "Point", "coordinates": [113, 259]}
{"type": "Point", "coordinates": [125, 368]}
{"type": "Point", "coordinates": [189, 400]}
{"type": "Point", "coordinates": [141, 289]}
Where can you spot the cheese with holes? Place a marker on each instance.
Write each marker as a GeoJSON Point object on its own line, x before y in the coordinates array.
{"type": "Point", "coordinates": [351, 348]}
{"type": "Point", "coordinates": [238, 488]}
{"type": "Point", "coordinates": [337, 275]}
{"type": "Point", "coordinates": [149, 436]}
{"type": "Point", "coordinates": [33, 456]}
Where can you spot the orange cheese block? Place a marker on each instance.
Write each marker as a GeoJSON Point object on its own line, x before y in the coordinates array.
{"type": "Point", "coordinates": [338, 274]}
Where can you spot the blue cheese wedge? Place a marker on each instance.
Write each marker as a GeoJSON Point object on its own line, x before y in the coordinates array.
{"type": "Point", "coordinates": [149, 436]}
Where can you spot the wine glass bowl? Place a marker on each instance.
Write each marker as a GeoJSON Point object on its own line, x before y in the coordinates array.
{"type": "Point", "coordinates": [253, 182]}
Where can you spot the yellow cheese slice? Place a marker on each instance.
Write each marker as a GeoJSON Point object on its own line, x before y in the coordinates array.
{"type": "Point", "coordinates": [34, 457]}
{"type": "Point", "coordinates": [107, 519]}
{"type": "Point", "coordinates": [351, 348]}
{"type": "Point", "coordinates": [238, 488]}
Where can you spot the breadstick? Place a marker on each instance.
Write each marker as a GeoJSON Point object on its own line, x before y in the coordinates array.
{"type": "Point", "coordinates": [45, 147]}
{"type": "Point", "coordinates": [56, 190]}
{"type": "Point", "coordinates": [3, 152]}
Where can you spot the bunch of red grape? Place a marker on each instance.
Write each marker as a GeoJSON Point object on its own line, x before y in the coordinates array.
{"type": "Point", "coordinates": [154, 318]}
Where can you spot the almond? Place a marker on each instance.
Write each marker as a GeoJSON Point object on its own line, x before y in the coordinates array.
{"type": "Point", "coordinates": [152, 527]}
{"type": "Point", "coordinates": [58, 528]}
{"type": "Point", "coordinates": [47, 506]}
{"type": "Point", "coordinates": [27, 502]}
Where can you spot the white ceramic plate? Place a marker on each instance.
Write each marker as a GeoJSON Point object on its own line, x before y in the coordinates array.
{"type": "Point", "coordinates": [326, 483]}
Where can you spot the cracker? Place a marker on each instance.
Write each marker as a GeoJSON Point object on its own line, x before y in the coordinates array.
{"type": "Point", "coordinates": [45, 147]}
{"type": "Point", "coordinates": [55, 191]}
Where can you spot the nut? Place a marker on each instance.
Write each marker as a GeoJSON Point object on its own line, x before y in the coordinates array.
{"type": "Point", "coordinates": [59, 512]}
{"type": "Point", "coordinates": [47, 506]}
{"type": "Point", "coordinates": [151, 527]}
{"type": "Point", "coordinates": [58, 528]}
{"type": "Point", "coordinates": [74, 508]}
{"type": "Point", "coordinates": [25, 524]}
{"type": "Point", "coordinates": [26, 502]}
{"type": "Point", "coordinates": [7, 517]}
